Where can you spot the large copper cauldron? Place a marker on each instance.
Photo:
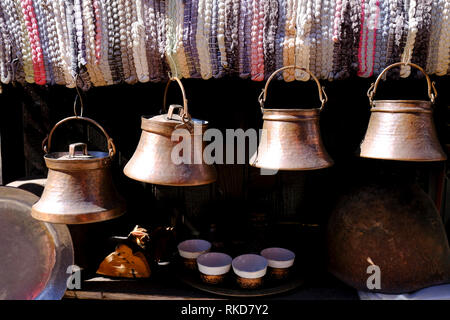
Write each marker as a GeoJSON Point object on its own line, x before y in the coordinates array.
{"type": "Point", "coordinates": [395, 227]}
{"type": "Point", "coordinates": [290, 138]}
{"type": "Point", "coordinates": [79, 186]}
{"type": "Point", "coordinates": [402, 129]}
{"type": "Point", "coordinates": [153, 162]}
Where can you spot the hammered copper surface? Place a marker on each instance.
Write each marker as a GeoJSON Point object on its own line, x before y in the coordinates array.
{"type": "Point", "coordinates": [79, 187]}
{"type": "Point", "coordinates": [395, 227]}
{"type": "Point", "coordinates": [402, 129]}
{"type": "Point", "coordinates": [290, 138]}
{"type": "Point", "coordinates": [278, 273]}
{"type": "Point", "coordinates": [209, 279]}
{"type": "Point", "coordinates": [249, 283]}
{"type": "Point", "coordinates": [152, 161]}
{"type": "Point", "coordinates": [35, 255]}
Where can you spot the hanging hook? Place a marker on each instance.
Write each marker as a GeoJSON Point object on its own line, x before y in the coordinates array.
{"type": "Point", "coordinates": [75, 102]}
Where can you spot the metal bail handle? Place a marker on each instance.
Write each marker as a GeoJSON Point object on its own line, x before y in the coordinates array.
{"type": "Point", "coordinates": [432, 93]}
{"type": "Point", "coordinates": [322, 95]}
{"type": "Point", "coordinates": [46, 144]}
{"type": "Point", "coordinates": [185, 116]}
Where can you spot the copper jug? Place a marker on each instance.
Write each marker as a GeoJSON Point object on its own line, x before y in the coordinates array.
{"type": "Point", "coordinates": [79, 187]}
{"type": "Point", "coordinates": [290, 138]}
{"type": "Point", "coordinates": [402, 129]}
{"type": "Point", "coordinates": [152, 161]}
{"type": "Point", "coordinates": [394, 226]}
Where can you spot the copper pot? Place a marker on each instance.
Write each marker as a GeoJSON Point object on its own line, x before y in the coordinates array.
{"type": "Point", "coordinates": [395, 227]}
{"type": "Point", "coordinates": [290, 138]}
{"type": "Point", "coordinates": [79, 187]}
{"type": "Point", "coordinates": [402, 129]}
{"type": "Point", "coordinates": [152, 161]}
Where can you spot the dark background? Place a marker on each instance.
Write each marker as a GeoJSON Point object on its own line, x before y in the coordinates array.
{"type": "Point", "coordinates": [242, 211]}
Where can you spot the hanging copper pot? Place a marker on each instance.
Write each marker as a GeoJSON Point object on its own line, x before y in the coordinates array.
{"type": "Point", "coordinates": [402, 129]}
{"type": "Point", "coordinates": [290, 138]}
{"type": "Point", "coordinates": [153, 162]}
{"type": "Point", "coordinates": [395, 227]}
{"type": "Point", "coordinates": [79, 187]}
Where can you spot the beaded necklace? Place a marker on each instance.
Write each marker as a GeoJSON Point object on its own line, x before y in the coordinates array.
{"type": "Point", "coordinates": [123, 41]}
{"type": "Point", "coordinates": [270, 32]}
{"type": "Point", "coordinates": [83, 78]}
{"type": "Point", "coordinates": [315, 39]}
{"type": "Point", "coordinates": [289, 44]}
{"type": "Point", "coordinates": [371, 37]}
{"type": "Point", "coordinates": [202, 36]}
{"type": "Point", "coordinates": [89, 32]}
{"type": "Point", "coordinates": [139, 53]}
{"type": "Point", "coordinates": [410, 39]}
{"type": "Point", "coordinates": [279, 38]}
{"type": "Point", "coordinates": [5, 49]}
{"type": "Point", "coordinates": [302, 41]}
{"type": "Point", "coordinates": [114, 51]}
{"type": "Point", "coordinates": [187, 27]}
{"type": "Point", "coordinates": [105, 46]}
{"type": "Point", "coordinates": [420, 52]}
{"type": "Point", "coordinates": [382, 38]}
{"type": "Point", "coordinates": [221, 32]}
{"type": "Point", "coordinates": [41, 19]}
{"type": "Point", "coordinates": [61, 39]}
{"type": "Point", "coordinates": [443, 56]}
{"type": "Point", "coordinates": [15, 35]}
{"type": "Point", "coordinates": [129, 19]}
{"type": "Point", "coordinates": [245, 39]}
{"type": "Point", "coordinates": [180, 50]}
{"type": "Point", "coordinates": [216, 67]}
{"type": "Point", "coordinates": [193, 39]}
{"type": "Point", "coordinates": [33, 34]}
{"type": "Point", "coordinates": [160, 19]}
{"type": "Point", "coordinates": [327, 43]}
{"type": "Point", "coordinates": [257, 56]}
{"type": "Point", "coordinates": [71, 31]}
{"type": "Point", "coordinates": [152, 38]}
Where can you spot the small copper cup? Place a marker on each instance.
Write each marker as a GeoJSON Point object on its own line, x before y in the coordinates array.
{"type": "Point", "coordinates": [213, 267]}
{"type": "Point", "coordinates": [250, 270]}
{"type": "Point", "coordinates": [190, 250]}
{"type": "Point", "coordinates": [280, 261]}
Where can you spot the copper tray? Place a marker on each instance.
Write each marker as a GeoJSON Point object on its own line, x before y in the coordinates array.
{"type": "Point", "coordinates": [230, 288]}
{"type": "Point", "coordinates": [34, 254]}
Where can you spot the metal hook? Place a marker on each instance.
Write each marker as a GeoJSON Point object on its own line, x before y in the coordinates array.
{"type": "Point", "coordinates": [75, 102]}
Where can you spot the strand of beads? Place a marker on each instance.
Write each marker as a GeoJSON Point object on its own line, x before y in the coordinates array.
{"type": "Point", "coordinates": [289, 39]}
{"type": "Point", "coordinates": [122, 29]}
{"type": "Point", "coordinates": [419, 55]}
{"type": "Point", "coordinates": [315, 38]}
{"type": "Point", "coordinates": [245, 37]}
{"type": "Point", "coordinates": [371, 37]}
{"type": "Point", "coordinates": [362, 50]}
{"type": "Point", "coordinates": [5, 50]}
{"type": "Point", "coordinates": [160, 7]}
{"type": "Point", "coordinates": [326, 60]}
{"type": "Point", "coordinates": [16, 34]}
{"type": "Point", "coordinates": [180, 50]}
{"type": "Point", "coordinates": [279, 38]}
{"type": "Point", "coordinates": [382, 38]}
{"type": "Point", "coordinates": [129, 19]}
{"type": "Point", "coordinates": [171, 37]}
{"type": "Point", "coordinates": [33, 34]}
{"type": "Point", "coordinates": [139, 52]}
{"type": "Point", "coordinates": [257, 56]}
{"type": "Point", "coordinates": [187, 25]}
{"type": "Point", "coordinates": [217, 67]}
{"type": "Point", "coordinates": [202, 36]}
{"type": "Point", "coordinates": [305, 15]}
{"type": "Point", "coordinates": [72, 34]}
{"type": "Point", "coordinates": [410, 40]}
{"type": "Point", "coordinates": [54, 50]}
{"type": "Point", "coordinates": [221, 16]}
{"type": "Point", "coordinates": [114, 52]}
{"type": "Point", "coordinates": [152, 38]}
{"type": "Point", "coordinates": [105, 45]}
{"type": "Point", "coordinates": [443, 57]}
{"type": "Point", "coordinates": [83, 79]}
{"type": "Point", "coordinates": [59, 13]}
{"type": "Point", "coordinates": [45, 46]}
{"type": "Point", "coordinates": [270, 32]}
{"type": "Point", "coordinates": [195, 62]}
{"type": "Point", "coordinates": [90, 43]}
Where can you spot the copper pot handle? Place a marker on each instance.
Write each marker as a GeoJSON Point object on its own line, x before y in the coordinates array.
{"type": "Point", "coordinates": [432, 93]}
{"type": "Point", "coordinates": [46, 144]}
{"type": "Point", "coordinates": [184, 114]}
{"type": "Point", "coordinates": [322, 95]}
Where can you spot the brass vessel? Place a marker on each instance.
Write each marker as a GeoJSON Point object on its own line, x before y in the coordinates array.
{"type": "Point", "coordinates": [152, 161]}
{"type": "Point", "coordinates": [402, 129]}
{"type": "Point", "coordinates": [290, 138]}
{"type": "Point", "coordinates": [79, 187]}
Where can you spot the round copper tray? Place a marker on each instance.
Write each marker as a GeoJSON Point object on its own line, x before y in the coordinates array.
{"type": "Point", "coordinates": [231, 289]}
{"type": "Point", "coordinates": [35, 255]}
